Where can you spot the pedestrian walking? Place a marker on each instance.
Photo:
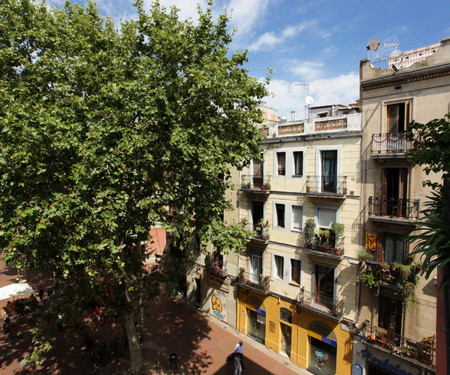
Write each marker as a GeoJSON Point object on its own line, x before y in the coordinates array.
{"type": "Point", "coordinates": [238, 352]}
{"type": "Point", "coordinates": [237, 365]}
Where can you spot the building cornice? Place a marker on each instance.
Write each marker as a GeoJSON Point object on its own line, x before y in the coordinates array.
{"type": "Point", "coordinates": [403, 78]}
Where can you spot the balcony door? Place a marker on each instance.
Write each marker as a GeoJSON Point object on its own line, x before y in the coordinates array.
{"type": "Point", "coordinates": [394, 191]}
{"type": "Point", "coordinates": [397, 117]}
{"type": "Point", "coordinates": [257, 213]}
{"type": "Point", "coordinates": [329, 171]}
{"type": "Point", "coordinates": [324, 285]}
{"type": "Point", "coordinates": [255, 265]}
{"type": "Point", "coordinates": [257, 174]}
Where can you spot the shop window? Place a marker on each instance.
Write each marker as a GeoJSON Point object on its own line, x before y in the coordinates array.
{"type": "Point", "coordinates": [280, 211]}
{"type": "Point", "coordinates": [285, 315]}
{"type": "Point", "coordinates": [281, 163]}
{"type": "Point", "coordinates": [322, 357]}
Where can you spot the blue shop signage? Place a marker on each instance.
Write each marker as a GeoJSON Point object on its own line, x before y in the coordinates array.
{"type": "Point", "coordinates": [385, 365]}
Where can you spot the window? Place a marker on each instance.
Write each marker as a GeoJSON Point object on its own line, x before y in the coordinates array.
{"type": "Point", "coordinates": [296, 267]}
{"type": "Point", "coordinates": [280, 210]}
{"type": "Point", "coordinates": [281, 162]}
{"type": "Point", "coordinates": [297, 218]}
{"type": "Point", "coordinates": [397, 117]}
{"type": "Point", "coordinates": [279, 266]}
{"type": "Point", "coordinates": [298, 163]}
{"type": "Point", "coordinates": [393, 248]}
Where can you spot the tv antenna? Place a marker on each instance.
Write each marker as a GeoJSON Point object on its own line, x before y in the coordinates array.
{"type": "Point", "coordinates": [308, 99]}
{"type": "Point", "coordinates": [395, 43]}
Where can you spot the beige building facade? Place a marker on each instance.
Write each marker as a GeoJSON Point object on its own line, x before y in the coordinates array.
{"type": "Point", "coordinates": [298, 293]}
{"type": "Point", "coordinates": [397, 318]}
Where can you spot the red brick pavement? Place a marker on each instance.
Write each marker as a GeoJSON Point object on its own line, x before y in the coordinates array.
{"type": "Point", "coordinates": [201, 343]}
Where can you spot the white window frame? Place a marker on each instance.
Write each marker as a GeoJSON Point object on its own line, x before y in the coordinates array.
{"type": "Point", "coordinates": [276, 270]}
{"type": "Point", "coordinates": [316, 214]}
{"type": "Point", "coordinates": [287, 270]}
{"type": "Point", "coordinates": [292, 218]}
{"type": "Point", "coordinates": [289, 162]}
{"type": "Point", "coordinates": [288, 216]}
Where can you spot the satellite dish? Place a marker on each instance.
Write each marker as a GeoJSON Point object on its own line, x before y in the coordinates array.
{"type": "Point", "coordinates": [373, 44]}
{"type": "Point", "coordinates": [309, 100]}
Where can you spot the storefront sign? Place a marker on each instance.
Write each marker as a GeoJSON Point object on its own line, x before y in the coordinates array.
{"type": "Point", "coordinates": [219, 282]}
{"type": "Point", "coordinates": [385, 365]}
{"type": "Point", "coordinates": [357, 369]}
{"type": "Point", "coordinates": [329, 341]}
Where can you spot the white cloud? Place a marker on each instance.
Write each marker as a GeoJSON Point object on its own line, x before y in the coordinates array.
{"type": "Point", "coordinates": [306, 70]}
{"type": "Point", "coordinates": [269, 39]}
{"type": "Point", "coordinates": [246, 14]}
{"type": "Point", "coordinates": [289, 96]}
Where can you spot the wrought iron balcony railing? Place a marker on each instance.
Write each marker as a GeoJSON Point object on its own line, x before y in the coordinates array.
{"type": "Point", "coordinates": [257, 282]}
{"type": "Point", "coordinates": [326, 184]}
{"type": "Point", "coordinates": [389, 144]}
{"type": "Point", "coordinates": [322, 303]}
{"type": "Point", "coordinates": [258, 183]}
{"type": "Point", "coordinates": [394, 208]}
{"type": "Point", "coordinates": [423, 351]}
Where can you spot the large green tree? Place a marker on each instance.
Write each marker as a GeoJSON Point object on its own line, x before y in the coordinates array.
{"type": "Point", "coordinates": [102, 129]}
{"type": "Point", "coordinates": [431, 235]}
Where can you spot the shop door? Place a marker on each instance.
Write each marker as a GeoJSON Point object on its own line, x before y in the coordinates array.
{"type": "Point", "coordinates": [256, 325]}
{"type": "Point", "coordinates": [286, 337]}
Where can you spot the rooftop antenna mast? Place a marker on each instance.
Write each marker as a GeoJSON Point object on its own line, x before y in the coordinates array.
{"type": "Point", "coordinates": [308, 99]}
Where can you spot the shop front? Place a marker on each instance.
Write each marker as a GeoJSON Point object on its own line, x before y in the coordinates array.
{"type": "Point", "coordinates": [312, 341]}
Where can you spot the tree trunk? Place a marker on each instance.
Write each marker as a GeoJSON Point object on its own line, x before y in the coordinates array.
{"type": "Point", "coordinates": [133, 345]}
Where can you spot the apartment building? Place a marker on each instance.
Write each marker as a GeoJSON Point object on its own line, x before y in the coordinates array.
{"type": "Point", "coordinates": [397, 308]}
{"type": "Point", "coordinates": [297, 278]}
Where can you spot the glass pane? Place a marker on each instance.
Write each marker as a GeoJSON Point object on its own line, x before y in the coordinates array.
{"type": "Point", "coordinates": [298, 163]}
{"type": "Point", "coordinates": [326, 217]}
{"type": "Point", "coordinates": [281, 161]}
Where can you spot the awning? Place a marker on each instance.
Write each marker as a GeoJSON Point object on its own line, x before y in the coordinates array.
{"type": "Point", "coordinates": [15, 289]}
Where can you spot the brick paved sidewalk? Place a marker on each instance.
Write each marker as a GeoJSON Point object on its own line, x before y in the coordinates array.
{"type": "Point", "coordinates": [200, 341]}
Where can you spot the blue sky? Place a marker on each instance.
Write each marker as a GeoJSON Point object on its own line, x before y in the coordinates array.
{"type": "Point", "coordinates": [316, 42]}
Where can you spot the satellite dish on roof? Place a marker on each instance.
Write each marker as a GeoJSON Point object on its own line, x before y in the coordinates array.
{"type": "Point", "coordinates": [309, 100]}
{"type": "Point", "coordinates": [373, 44]}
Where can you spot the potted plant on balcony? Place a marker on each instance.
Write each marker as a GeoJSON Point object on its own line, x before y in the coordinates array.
{"type": "Point", "coordinates": [338, 231]}
{"type": "Point", "coordinates": [245, 185]}
{"type": "Point", "coordinates": [265, 186]}
{"type": "Point", "coordinates": [262, 229]}
{"type": "Point", "coordinates": [309, 231]}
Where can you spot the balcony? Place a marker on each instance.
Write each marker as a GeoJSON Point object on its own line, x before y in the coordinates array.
{"type": "Point", "coordinates": [261, 232]}
{"type": "Point", "coordinates": [326, 187]}
{"type": "Point", "coordinates": [390, 146]}
{"type": "Point", "coordinates": [423, 351]}
{"type": "Point", "coordinates": [256, 282]}
{"type": "Point", "coordinates": [382, 209]}
{"type": "Point", "coordinates": [255, 184]}
{"type": "Point", "coordinates": [321, 304]}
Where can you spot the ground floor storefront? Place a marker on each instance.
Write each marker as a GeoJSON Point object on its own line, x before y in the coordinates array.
{"type": "Point", "coordinates": [372, 360]}
{"type": "Point", "coordinates": [312, 341]}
